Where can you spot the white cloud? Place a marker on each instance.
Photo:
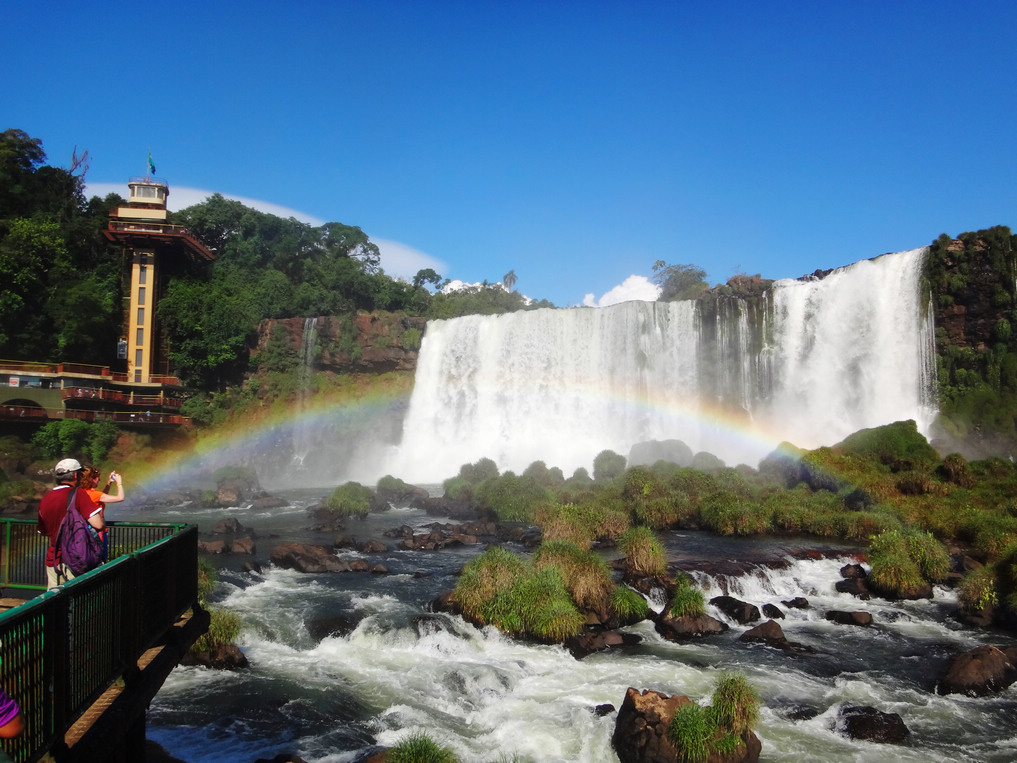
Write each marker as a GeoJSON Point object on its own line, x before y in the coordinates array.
{"type": "Point", "coordinates": [402, 261]}
{"type": "Point", "coordinates": [632, 288]}
{"type": "Point", "coordinates": [398, 260]}
{"type": "Point", "coordinates": [181, 197]}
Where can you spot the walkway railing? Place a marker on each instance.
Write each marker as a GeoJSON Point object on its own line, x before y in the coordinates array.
{"type": "Point", "coordinates": [61, 650]}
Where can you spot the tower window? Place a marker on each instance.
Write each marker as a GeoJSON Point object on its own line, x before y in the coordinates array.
{"type": "Point", "coordinates": [140, 339]}
{"type": "Point", "coordinates": [142, 274]}
{"type": "Point", "coordinates": [141, 316]}
{"type": "Point", "coordinates": [141, 296]}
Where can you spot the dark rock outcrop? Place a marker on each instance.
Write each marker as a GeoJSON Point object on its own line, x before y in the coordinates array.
{"type": "Point", "coordinates": [849, 618]}
{"type": "Point", "coordinates": [598, 640]}
{"type": "Point", "coordinates": [771, 634]}
{"type": "Point", "coordinates": [984, 670]}
{"type": "Point", "coordinates": [306, 558]}
{"type": "Point", "coordinates": [872, 725]}
{"type": "Point", "coordinates": [640, 731]}
{"type": "Point", "coordinates": [684, 628]}
{"type": "Point", "coordinates": [223, 657]}
{"type": "Point", "coordinates": [739, 611]}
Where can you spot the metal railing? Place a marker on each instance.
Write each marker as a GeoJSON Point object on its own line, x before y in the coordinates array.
{"type": "Point", "coordinates": [61, 650]}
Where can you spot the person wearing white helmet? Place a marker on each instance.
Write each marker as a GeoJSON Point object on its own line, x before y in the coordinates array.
{"type": "Point", "coordinates": [52, 508]}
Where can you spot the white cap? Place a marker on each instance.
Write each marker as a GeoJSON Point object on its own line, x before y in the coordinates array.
{"type": "Point", "coordinates": [67, 466]}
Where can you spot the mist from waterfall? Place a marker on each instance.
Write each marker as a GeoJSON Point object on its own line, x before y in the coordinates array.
{"type": "Point", "coordinates": [810, 363]}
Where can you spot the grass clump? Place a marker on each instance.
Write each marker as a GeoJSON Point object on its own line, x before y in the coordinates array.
{"type": "Point", "coordinates": [697, 731]}
{"type": "Point", "coordinates": [644, 553]}
{"type": "Point", "coordinates": [688, 601]}
{"type": "Point", "coordinates": [350, 500]}
{"type": "Point", "coordinates": [420, 748]}
{"type": "Point", "coordinates": [498, 588]}
{"type": "Point", "coordinates": [586, 576]}
{"type": "Point", "coordinates": [977, 589]}
{"type": "Point", "coordinates": [904, 562]}
{"type": "Point", "coordinates": [628, 606]}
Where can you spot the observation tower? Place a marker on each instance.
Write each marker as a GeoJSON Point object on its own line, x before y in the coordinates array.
{"type": "Point", "coordinates": [156, 250]}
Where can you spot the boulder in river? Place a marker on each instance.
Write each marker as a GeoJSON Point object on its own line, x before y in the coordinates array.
{"type": "Point", "coordinates": [984, 670]}
{"type": "Point", "coordinates": [872, 725]}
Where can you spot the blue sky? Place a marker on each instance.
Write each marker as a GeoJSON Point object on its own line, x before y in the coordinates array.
{"type": "Point", "coordinates": [575, 143]}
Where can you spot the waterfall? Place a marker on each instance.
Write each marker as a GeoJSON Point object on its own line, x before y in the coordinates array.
{"type": "Point", "coordinates": [303, 439]}
{"type": "Point", "coordinates": [811, 363]}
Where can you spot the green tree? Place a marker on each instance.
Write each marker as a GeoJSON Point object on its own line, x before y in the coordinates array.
{"type": "Point", "coordinates": [509, 279]}
{"type": "Point", "coordinates": [427, 275]}
{"type": "Point", "coordinates": [679, 281]}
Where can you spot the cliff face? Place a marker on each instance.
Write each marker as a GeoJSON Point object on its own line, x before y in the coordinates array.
{"type": "Point", "coordinates": [975, 294]}
{"type": "Point", "coordinates": [375, 342]}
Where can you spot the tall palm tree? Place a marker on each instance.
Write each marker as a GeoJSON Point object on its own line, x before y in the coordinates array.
{"type": "Point", "coordinates": [509, 279]}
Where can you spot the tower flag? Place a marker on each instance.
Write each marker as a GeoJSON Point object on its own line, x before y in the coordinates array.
{"type": "Point", "coordinates": [151, 164]}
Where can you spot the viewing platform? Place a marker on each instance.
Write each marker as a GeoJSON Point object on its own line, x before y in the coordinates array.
{"type": "Point", "coordinates": [84, 660]}
{"type": "Point", "coordinates": [38, 392]}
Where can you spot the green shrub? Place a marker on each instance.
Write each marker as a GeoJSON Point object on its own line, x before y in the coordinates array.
{"type": "Point", "coordinates": [350, 500]}
{"type": "Point", "coordinates": [478, 472]}
{"type": "Point", "coordinates": [887, 444]}
{"type": "Point", "coordinates": [419, 748]}
{"type": "Point", "coordinates": [607, 465]}
{"type": "Point", "coordinates": [458, 489]}
{"type": "Point", "coordinates": [512, 498]}
{"type": "Point", "coordinates": [411, 339]}
{"type": "Point", "coordinates": [904, 560]}
{"type": "Point", "coordinates": [977, 589]}
{"type": "Point", "coordinates": [729, 514]}
{"type": "Point", "coordinates": [644, 553]}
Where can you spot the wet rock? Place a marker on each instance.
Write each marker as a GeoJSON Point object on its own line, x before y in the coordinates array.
{"type": "Point", "coordinates": [223, 657]}
{"type": "Point", "coordinates": [739, 611]}
{"type": "Point", "coordinates": [855, 586]}
{"type": "Point", "coordinates": [252, 567]}
{"type": "Point", "coordinates": [984, 670]}
{"type": "Point", "coordinates": [334, 624]}
{"type": "Point", "coordinates": [771, 634]}
{"type": "Point", "coordinates": [684, 628]}
{"type": "Point", "coordinates": [379, 569]}
{"type": "Point", "coordinates": [227, 527]}
{"type": "Point", "coordinates": [849, 571]}
{"type": "Point", "coordinates": [243, 545]}
{"type": "Point", "coordinates": [212, 547]}
{"type": "Point", "coordinates": [849, 618]}
{"type": "Point", "coordinates": [772, 612]}
{"type": "Point", "coordinates": [598, 640]}
{"type": "Point", "coordinates": [344, 541]}
{"type": "Point", "coordinates": [306, 558]}
{"type": "Point", "coordinates": [373, 547]}
{"type": "Point", "coordinates": [602, 710]}
{"type": "Point", "coordinates": [798, 602]}
{"type": "Point", "coordinates": [872, 725]}
{"type": "Point", "coordinates": [268, 502]}
{"type": "Point", "coordinates": [282, 757]}
{"type": "Point", "coordinates": [640, 731]}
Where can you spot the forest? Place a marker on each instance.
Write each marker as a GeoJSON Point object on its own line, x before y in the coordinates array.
{"type": "Point", "coordinates": [62, 288]}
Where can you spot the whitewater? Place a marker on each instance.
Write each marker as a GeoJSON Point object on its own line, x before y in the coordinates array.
{"type": "Point", "coordinates": [813, 362]}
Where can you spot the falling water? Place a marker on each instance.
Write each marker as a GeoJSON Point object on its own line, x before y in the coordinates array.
{"type": "Point", "coordinates": [303, 440]}
{"type": "Point", "coordinates": [811, 363]}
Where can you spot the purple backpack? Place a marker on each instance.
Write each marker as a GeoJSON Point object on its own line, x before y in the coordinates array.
{"type": "Point", "coordinates": [78, 546]}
